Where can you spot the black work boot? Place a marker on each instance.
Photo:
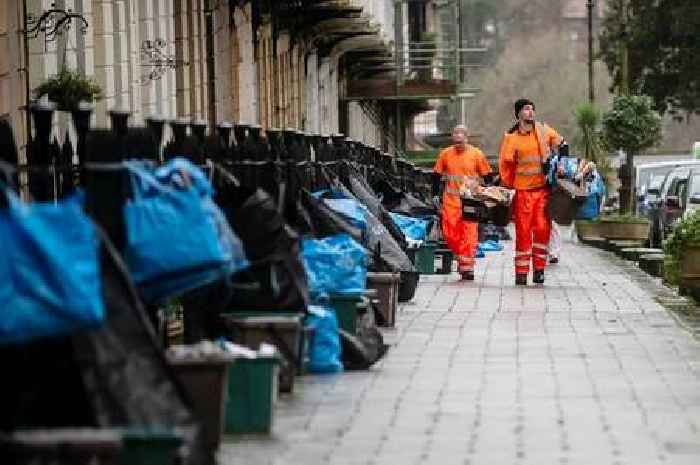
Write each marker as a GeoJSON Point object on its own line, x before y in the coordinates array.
{"type": "Point", "coordinates": [467, 275]}
{"type": "Point", "coordinates": [521, 279]}
{"type": "Point", "coordinates": [538, 277]}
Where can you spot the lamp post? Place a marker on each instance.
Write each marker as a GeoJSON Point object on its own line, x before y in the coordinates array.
{"type": "Point", "coordinates": [591, 85]}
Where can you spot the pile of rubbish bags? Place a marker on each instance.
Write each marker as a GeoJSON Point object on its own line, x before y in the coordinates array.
{"type": "Point", "coordinates": [91, 282]}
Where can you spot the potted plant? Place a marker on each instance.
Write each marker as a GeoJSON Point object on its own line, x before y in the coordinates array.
{"type": "Point", "coordinates": [624, 227]}
{"type": "Point", "coordinates": [68, 88]}
{"type": "Point", "coordinates": [630, 125]}
{"type": "Point", "coordinates": [682, 249]}
{"type": "Point", "coordinates": [588, 229]}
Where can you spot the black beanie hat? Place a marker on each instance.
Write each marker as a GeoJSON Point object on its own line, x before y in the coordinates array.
{"type": "Point", "coordinates": [520, 103]}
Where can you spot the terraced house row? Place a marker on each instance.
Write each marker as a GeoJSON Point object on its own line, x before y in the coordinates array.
{"type": "Point", "coordinates": [319, 66]}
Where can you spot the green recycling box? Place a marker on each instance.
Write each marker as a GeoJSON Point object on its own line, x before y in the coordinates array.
{"type": "Point", "coordinates": [149, 447]}
{"type": "Point", "coordinates": [252, 394]}
{"type": "Point", "coordinates": [345, 306]}
{"type": "Point", "coordinates": [425, 258]}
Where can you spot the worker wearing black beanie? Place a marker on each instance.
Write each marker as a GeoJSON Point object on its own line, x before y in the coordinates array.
{"type": "Point", "coordinates": [524, 150]}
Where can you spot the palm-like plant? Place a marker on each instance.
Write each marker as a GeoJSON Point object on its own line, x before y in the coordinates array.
{"type": "Point", "coordinates": [588, 141]}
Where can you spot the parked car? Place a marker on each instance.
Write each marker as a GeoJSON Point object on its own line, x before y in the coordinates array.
{"type": "Point", "coordinates": [666, 211]}
{"type": "Point", "coordinates": [649, 179]}
{"type": "Point", "coordinates": [651, 192]}
{"type": "Point", "coordinates": [691, 200]}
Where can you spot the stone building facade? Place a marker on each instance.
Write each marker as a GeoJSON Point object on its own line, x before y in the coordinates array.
{"type": "Point", "coordinates": [257, 62]}
{"type": "Point", "coordinates": [12, 68]}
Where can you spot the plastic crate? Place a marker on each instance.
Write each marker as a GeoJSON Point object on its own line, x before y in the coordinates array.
{"type": "Point", "coordinates": [282, 330]}
{"type": "Point", "coordinates": [345, 306]}
{"type": "Point", "coordinates": [387, 287]}
{"type": "Point", "coordinates": [252, 393]}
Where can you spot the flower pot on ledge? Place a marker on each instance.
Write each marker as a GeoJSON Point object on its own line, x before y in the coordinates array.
{"type": "Point", "coordinates": [635, 230]}
{"type": "Point", "coordinates": [587, 230]}
{"type": "Point", "coordinates": [690, 267]}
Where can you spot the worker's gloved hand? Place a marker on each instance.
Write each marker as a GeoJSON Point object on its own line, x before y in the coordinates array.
{"type": "Point", "coordinates": [563, 149]}
{"type": "Point", "coordinates": [545, 166]}
{"type": "Point", "coordinates": [437, 184]}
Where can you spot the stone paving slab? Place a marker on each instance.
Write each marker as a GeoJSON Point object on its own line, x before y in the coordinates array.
{"type": "Point", "coordinates": [588, 369]}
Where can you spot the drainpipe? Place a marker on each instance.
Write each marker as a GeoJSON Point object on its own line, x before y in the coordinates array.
{"type": "Point", "coordinates": [26, 81]}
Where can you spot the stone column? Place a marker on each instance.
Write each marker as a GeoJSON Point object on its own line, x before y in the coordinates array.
{"type": "Point", "coordinates": [13, 71]}
{"type": "Point", "coordinates": [311, 90]}
{"type": "Point", "coordinates": [104, 53]}
{"type": "Point", "coordinates": [324, 90]}
{"type": "Point", "coordinates": [183, 74]}
{"type": "Point", "coordinates": [249, 100]}
{"type": "Point", "coordinates": [224, 43]}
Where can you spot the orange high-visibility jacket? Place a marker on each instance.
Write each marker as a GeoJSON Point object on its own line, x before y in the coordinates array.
{"type": "Point", "coordinates": [455, 166]}
{"type": "Point", "coordinates": [522, 154]}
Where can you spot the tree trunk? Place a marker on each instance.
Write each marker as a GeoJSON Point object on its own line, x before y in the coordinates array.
{"type": "Point", "coordinates": [627, 189]}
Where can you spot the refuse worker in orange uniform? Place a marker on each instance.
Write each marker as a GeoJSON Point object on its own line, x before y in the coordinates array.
{"type": "Point", "coordinates": [525, 150]}
{"type": "Point", "coordinates": [460, 165]}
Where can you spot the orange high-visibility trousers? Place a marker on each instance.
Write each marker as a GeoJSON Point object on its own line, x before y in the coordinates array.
{"type": "Point", "coordinates": [532, 229]}
{"type": "Point", "coordinates": [461, 236]}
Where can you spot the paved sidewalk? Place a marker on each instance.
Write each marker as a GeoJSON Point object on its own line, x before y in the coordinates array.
{"type": "Point", "coordinates": [588, 369]}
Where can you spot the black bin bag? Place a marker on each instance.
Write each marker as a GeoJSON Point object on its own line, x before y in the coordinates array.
{"type": "Point", "coordinates": [276, 279]}
{"type": "Point", "coordinates": [320, 220]}
{"type": "Point", "coordinates": [111, 377]}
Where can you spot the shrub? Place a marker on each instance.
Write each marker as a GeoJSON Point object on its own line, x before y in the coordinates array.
{"type": "Point", "coordinates": [631, 124]}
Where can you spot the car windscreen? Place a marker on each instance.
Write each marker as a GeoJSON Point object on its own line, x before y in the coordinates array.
{"type": "Point", "coordinates": [672, 181]}
{"type": "Point", "coordinates": [655, 183]}
{"type": "Point", "coordinates": [694, 186]}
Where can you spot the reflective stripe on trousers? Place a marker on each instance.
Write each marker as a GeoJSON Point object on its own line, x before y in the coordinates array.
{"type": "Point", "coordinates": [532, 229]}
{"type": "Point", "coordinates": [461, 236]}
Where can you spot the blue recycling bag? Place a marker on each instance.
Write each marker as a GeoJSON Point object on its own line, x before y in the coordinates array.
{"type": "Point", "coordinates": [325, 348]}
{"type": "Point", "coordinates": [351, 209]}
{"type": "Point", "coordinates": [569, 164]}
{"type": "Point", "coordinates": [334, 265]}
{"type": "Point", "coordinates": [490, 246]}
{"type": "Point", "coordinates": [479, 252]}
{"type": "Point", "coordinates": [172, 236]}
{"type": "Point", "coordinates": [229, 240]}
{"type": "Point", "coordinates": [590, 209]}
{"type": "Point", "coordinates": [412, 228]}
{"type": "Point", "coordinates": [50, 282]}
